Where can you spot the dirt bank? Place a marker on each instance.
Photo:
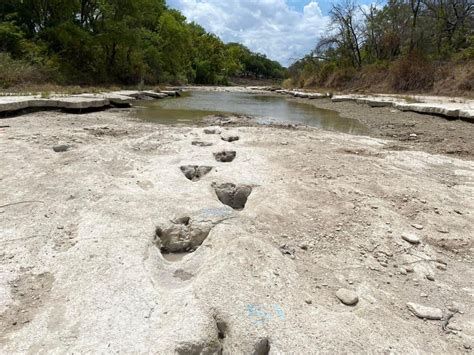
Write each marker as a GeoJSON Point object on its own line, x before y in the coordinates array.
{"type": "Point", "coordinates": [283, 221]}
{"type": "Point", "coordinates": [408, 130]}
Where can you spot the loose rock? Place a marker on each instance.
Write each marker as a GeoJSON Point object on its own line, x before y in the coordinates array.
{"type": "Point", "coordinates": [61, 148]}
{"type": "Point", "coordinates": [425, 312]}
{"type": "Point", "coordinates": [411, 238]}
{"type": "Point", "coordinates": [303, 246]}
{"type": "Point", "coordinates": [201, 144]}
{"type": "Point", "coordinates": [348, 297]}
{"type": "Point", "coordinates": [287, 250]}
{"type": "Point", "coordinates": [211, 131]}
{"type": "Point", "coordinates": [417, 226]}
{"type": "Point", "coordinates": [230, 139]}
{"type": "Point", "coordinates": [442, 230]}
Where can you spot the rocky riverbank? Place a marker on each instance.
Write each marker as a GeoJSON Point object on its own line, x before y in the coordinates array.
{"type": "Point", "coordinates": [387, 116]}
{"type": "Point", "coordinates": [229, 237]}
{"type": "Point", "coordinates": [19, 104]}
{"type": "Point", "coordinates": [408, 130]}
{"type": "Point", "coordinates": [449, 107]}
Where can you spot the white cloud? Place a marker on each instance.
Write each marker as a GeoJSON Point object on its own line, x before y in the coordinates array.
{"type": "Point", "coordinates": [271, 27]}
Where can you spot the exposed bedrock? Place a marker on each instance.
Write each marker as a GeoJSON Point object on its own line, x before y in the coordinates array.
{"type": "Point", "coordinates": [226, 156]}
{"type": "Point", "coordinates": [233, 195]}
{"type": "Point", "coordinates": [195, 172]}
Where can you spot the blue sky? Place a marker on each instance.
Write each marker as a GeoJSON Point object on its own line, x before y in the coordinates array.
{"type": "Point", "coordinates": [284, 30]}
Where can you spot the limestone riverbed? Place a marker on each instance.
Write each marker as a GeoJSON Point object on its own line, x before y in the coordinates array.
{"type": "Point", "coordinates": [138, 238]}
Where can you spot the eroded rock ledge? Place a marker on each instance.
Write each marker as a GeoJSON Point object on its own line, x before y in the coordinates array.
{"type": "Point", "coordinates": [452, 108]}
{"type": "Point", "coordinates": [79, 103]}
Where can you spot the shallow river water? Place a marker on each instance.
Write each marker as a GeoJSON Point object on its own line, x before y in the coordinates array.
{"type": "Point", "coordinates": [195, 105]}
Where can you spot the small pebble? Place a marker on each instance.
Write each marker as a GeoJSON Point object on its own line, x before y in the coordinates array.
{"type": "Point", "coordinates": [417, 226]}
{"type": "Point", "coordinates": [411, 238]}
{"type": "Point", "coordinates": [61, 148]}
{"type": "Point", "coordinates": [303, 246]}
{"type": "Point", "coordinates": [211, 131]}
{"type": "Point", "coordinates": [442, 230]}
{"type": "Point", "coordinates": [348, 297]}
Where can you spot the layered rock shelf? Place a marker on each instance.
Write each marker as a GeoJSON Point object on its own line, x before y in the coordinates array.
{"type": "Point", "coordinates": [79, 103]}
{"type": "Point", "coordinates": [452, 108]}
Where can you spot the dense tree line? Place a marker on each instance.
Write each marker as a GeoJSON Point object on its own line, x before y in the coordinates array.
{"type": "Point", "coordinates": [403, 36]}
{"type": "Point", "coordinates": [116, 41]}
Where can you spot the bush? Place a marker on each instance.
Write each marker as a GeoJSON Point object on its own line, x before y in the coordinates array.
{"type": "Point", "coordinates": [412, 72]}
{"type": "Point", "coordinates": [18, 72]}
{"type": "Point", "coordinates": [325, 71]}
{"type": "Point", "coordinates": [340, 78]}
{"type": "Point", "coordinates": [467, 83]}
{"type": "Point", "coordinates": [287, 83]}
{"type": "Point", "coordinates": [467, 53]}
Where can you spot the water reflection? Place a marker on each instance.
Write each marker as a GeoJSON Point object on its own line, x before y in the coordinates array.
{"type": "Point", "coordinates": [198, 104]}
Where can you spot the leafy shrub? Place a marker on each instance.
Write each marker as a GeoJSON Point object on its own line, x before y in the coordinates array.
{"type": "Point", "coordinates": [325, 71]}
{"type": "Point", "coordinates": [468, 52]}
{"type": "Point", "coordinates": [18, 72]}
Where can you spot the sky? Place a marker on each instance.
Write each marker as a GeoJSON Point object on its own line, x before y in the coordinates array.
{"type": "Point", "coordinates": [284, 30]}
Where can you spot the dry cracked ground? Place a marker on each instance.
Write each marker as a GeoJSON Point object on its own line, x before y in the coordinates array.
{"type": "Point", "coordinates": [138, 238]}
